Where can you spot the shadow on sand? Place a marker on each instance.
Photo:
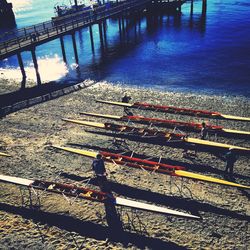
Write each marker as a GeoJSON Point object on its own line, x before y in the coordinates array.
{"type": "Point", "coordinates": [87, 228]}
{"type": "Point", "coordinates": [163, 199]}
{"type": "Point", "coordinates": [27, 97]}
{"type": "Point", "coordinates": [196, 164]}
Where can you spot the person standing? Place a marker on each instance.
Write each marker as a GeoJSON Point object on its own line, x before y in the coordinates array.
{"type": "Point", "coordinates": [204, 131]}
{"type": "Point", "coordinates": [230, 158]}
{"type": "Point", "coordinates": [126, 99]}
{"type": "Point", "coordinates": [99, 169]}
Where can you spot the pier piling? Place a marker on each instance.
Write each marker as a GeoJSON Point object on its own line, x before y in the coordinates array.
{"type": "Point", "coordinates": [204, 7]}
{"type": "Point", "coordinates": [91, 38]}
{"type": "Point", "coordinates": [33, 53]}
{"type": "Point", "coordinates": [101, 35]}
{"type": "Point", "coordinates": [75, 47]}
{"type": "Point", "coordinates": [20, 61]}
{"type": "Point", "coordinates": [63, 49]}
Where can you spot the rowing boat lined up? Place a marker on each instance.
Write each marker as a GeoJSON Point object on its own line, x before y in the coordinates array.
{"type": "Point", "coordinates": [92, 195]}
{"type": "Point", "coordinates": [162, 138]}
{"type": "Point", "coordinates": [190, 126]}
{"type": "Point", "coordinates": [151, 166]}
{"type": "Point", "coordinates": [176, 110]}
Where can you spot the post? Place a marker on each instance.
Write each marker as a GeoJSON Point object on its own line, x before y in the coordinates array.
{"type": "Point", "coordinates": [192, 8]}
{"type": "Point", "coordinates": [63, 49]}
{"type": "Point", "coordinates": [20, 61]}
{"type": "Point", "coordinates": [204, 7]}
{"type": "Point", "coordinates": [101, 35]}
{"type": "Point", "coordinates": [75, 48]}
{"type": "Point", "coordinates": [105, 32]}
{"type": "Point", "coordinates": [120, 28]}
{"type": "Point", "coordinates": [91, 38]}
{"type": "Point", "coordinates": [123, 26]}
{"type": "Point", "coordinates": [179, 7]}
{"type": "Point", "coordinates": [36, 67]}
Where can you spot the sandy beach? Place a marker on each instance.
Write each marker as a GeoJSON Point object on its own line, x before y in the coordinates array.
{"type": "Point", "coordinates": [28, 133]}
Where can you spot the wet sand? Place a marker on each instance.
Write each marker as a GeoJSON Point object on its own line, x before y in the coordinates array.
{"type": "Point", "coordinates": [28, 133]}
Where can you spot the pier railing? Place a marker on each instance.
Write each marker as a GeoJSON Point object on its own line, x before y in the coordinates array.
{"type": "Point", "coordinates": [43, 32]}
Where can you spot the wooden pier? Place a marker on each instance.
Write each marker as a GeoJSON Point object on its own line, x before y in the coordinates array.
{"type": "Point", "coordinates": [28, 38]}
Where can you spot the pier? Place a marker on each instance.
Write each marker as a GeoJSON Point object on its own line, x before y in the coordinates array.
{"type": "Point", "coordinates": [28, 38]}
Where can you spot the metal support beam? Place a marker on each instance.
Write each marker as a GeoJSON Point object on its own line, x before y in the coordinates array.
{"type": "Point", "coordinates": [63, 49]}
{"type": "Point", "coordinates": [20, 61]}
{"type": "Point", "coordinates": [75, 48]}
{"type": "Point", "coordinates": [39, 82]}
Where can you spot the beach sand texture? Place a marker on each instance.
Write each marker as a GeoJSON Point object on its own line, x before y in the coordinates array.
{"type": "Point", "coordinates": [28, 133]}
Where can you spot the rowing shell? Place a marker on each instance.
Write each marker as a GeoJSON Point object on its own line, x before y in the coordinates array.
{"type": "Point", "coordinates": [175, 110]}
{"type": "Point", "coordinates": [155, 166]}
{"type": "Point", "coordinates": [171, 123]}
{"type": "Point", "coordinates": [93, 195]}
{"type": "Point", "coordinates": [3, 154]}
{"type": "Point", "coordinates": [163, 136]}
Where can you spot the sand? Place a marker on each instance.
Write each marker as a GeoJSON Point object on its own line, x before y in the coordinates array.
{"type": "Point", "coordinates": [58, 223]}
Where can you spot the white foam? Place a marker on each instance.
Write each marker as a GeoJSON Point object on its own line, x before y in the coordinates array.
{"type": "Point", "coordinates": [50, 69]}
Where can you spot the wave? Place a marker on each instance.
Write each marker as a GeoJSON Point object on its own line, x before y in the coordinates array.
{"type": "Point", "coordinates": [50, 69]}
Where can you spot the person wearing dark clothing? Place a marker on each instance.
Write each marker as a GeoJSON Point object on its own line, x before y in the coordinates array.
{"type": "Point", "coordinates": [126, 98]}
{"type": "Point", "coordinates": [230, 158]}
{"type": "Point", "coordinates": [204, 131]}
{"type": "Point", "coordinates": [98, 167]}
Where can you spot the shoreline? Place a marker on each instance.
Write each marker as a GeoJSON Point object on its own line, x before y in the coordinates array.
{"type": "Point", "coordinates": [27, 134]}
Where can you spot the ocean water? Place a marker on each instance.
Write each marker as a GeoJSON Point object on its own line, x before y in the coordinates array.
{"type": "Point", "coordinates": [199, 53]}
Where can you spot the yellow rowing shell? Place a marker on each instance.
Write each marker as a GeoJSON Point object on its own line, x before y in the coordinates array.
{"type": "Point", "coordinates": [220, 116]}
{"type": "Point", "coordinates": [179, 173]}
{"type": "Point", "coordinates": [115, 117]}
{"type": "Point", "coordinates": [198, 142]}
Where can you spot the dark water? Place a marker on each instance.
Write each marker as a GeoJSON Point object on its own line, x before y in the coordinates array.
{"type": "Point", "coordinates": [208, 53]}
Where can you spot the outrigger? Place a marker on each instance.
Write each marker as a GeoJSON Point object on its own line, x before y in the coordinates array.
{"type": "Point", "coordinates": [176, 110]}
{"type": "Point", "coordinates": [154, 136]}
{"type": "Point", "coordinates": [151, 166]}
{"type": "Point", "coordinates": [92, 195]}
{"type": "Point", "coordinates": [189, 126]}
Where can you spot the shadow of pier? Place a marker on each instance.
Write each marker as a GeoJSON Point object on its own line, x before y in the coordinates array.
{"type": "Point", "coordinates": [24, 98]}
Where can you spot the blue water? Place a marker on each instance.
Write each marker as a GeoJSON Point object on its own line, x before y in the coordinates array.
{"type": "Point", "coordinates": [187, 53]}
